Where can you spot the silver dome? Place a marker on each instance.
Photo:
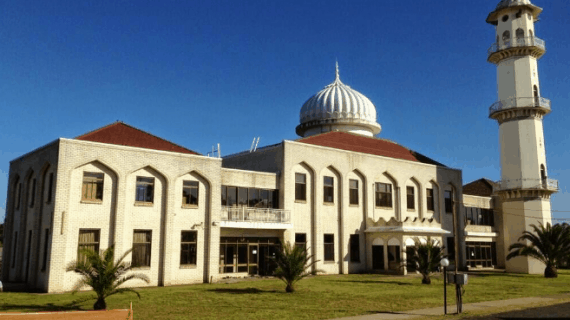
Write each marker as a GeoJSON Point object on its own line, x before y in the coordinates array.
{"type": "Point", "coordinates": [339, 104]}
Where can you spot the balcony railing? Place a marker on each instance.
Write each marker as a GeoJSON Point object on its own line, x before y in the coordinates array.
{"type": "Point", "coordinates": [246, 214]}
{"type": "Point", "coordinates": [544, 184]}
{"type": "Point", "coordinates": [539, 102]}
{"type": "Point", "coordinates": [517, 42]}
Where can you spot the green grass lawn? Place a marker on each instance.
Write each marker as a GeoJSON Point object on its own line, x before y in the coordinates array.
{"type": "Point", "coordinates": [321, 297]}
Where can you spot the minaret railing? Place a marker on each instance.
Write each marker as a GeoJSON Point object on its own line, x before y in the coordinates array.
{"type": "Point", "coordinates": [544, 184]}
{"type": "Point", "coordinates": [517, 42]}
{"type": "Point", "coordinates": [520, 102]}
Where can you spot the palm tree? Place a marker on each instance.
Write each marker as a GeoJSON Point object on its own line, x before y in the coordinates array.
{"type": "Point", "coordinates": [549, 245]}
{"type": "Point", "coordinates": [292, 264]}
{"type": "Point", "coordinates": [103, 275]}
{"type": "Point", "coordinates": [426, 258]}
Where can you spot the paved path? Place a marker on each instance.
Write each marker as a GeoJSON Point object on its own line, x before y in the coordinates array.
{"type": "Point", "coordinates": [475, 307]}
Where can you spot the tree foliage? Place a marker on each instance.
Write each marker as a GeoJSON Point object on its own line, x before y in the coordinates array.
{"type": "Point", "coordinates": [103, 274]}
{"type": "Point", "coordinates": [548, 244]}
{"type": "Point", "coordinates": [426, 258]}
{"type": "Point", "coordinates": [293, 263]}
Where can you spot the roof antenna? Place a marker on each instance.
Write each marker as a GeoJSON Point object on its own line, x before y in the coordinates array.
{"type": "Point", "coordinates": [254, 144]}
{"type": "Point", "coordinates": [215, 152]}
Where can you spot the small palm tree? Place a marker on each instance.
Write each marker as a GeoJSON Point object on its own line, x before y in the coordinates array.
{"type": "Point", "coordinates": [292, 263]}
{"type": "Point", "coordinates": [549, 245]}
{"type": "Point", "coordinates": [426, 258]}
{"type": "Point", "coordinates": [101, 273]}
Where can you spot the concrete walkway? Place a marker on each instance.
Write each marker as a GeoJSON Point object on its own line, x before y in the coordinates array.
{"type": "Point", "coordinates": [498, 305]}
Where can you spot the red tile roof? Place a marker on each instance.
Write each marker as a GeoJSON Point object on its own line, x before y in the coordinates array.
{"type": "Point", "coordinates": [358, 143]}
{"type": "Point", "coordinates": [124, 135]}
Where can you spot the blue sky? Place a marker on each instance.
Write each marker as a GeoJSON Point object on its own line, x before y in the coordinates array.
{"type": "Point", "coordinates": [204, 72]}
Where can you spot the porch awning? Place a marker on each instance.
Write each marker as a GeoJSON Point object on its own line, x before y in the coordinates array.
{"type": "Point", "coordinates": [407, 229]}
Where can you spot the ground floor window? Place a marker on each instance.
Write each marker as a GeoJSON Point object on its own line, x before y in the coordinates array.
{"type": "Point", "coordinates": [88, 239]}
{"type": "Point", "coordinates": [329, 247]}
{"type": "Point", "coordinates": [301, 240]}
{"type": "Point", "coordinates": [355, 248]}
{"type": "Point", "coordinates": [142, 240]}
{"type": "Point", "coordinates": [188, 247]}
{"type": "Point", "coordinates": [394, 257]}
{"type": "Point", "coordinates": [481, 254]}
{"type": "Point", "coordinates": [252, 255]}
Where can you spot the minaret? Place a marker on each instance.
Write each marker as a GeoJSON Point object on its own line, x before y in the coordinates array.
{"type": "Point", "coordinates": [524, 189]}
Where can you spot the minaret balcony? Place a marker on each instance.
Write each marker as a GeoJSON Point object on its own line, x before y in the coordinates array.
{"type": "Point", "coordinates": [532, 46]}
{"type": "Point", "coordinates": [545, 184]}
{"type": "Point", "coordinates": [541, 103]}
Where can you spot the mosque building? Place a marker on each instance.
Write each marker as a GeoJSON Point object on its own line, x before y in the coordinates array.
{"type": "Point", "coordinates": [355, 200]}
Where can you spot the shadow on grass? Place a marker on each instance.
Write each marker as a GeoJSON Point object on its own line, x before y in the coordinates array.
{"type": "Point", "coordinates": [400, 283]}
{"type": "Point", "coordinates": [242, 290]}
{"type": "Point", "coordinates": [38, 308]}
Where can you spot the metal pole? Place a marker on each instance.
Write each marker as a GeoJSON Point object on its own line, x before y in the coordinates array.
{"type": "Point", "coordinates": [444, 290]}
{"type": "Point", "coordinates": [456, 247]}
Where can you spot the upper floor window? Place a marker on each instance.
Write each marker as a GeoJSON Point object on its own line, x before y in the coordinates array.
{"type": "Point", "coordinates": [300, 186]}
{"type": "Point", "coordinates": [50, 188]}
{"type": "Point", "coordinates": [145, 190]}
{"type": "Point", "coordinates": [249, 197]}
{"type": "Point", "coordinates": [353, 189]}
{"type": "Point", "coordinates": [383, 195]}
{"type": "Point", "coordinates": [410, 197]}
{"type": "Point", "coordinates": [18, 195]}
{"type": "Point", "coordinates": [429, 198]}
{"type": "Point", "coordinates": [33, 193]}
{"type": "Point", "coordinates": [480, 217]}
{"type": "Point", "coordinates": [448, 201]}
{"type": "Point", "coordinates": [92, 189]}
{"type": "Point", "coordinates": [190, 193]}
{"type": "Point", "coordinates": [328, 189]}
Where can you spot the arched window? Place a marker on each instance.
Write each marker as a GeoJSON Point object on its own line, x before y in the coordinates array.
{"type": "Point", "coordinates": [506, 37]}
{"type": "Point", "coordinates": [520, 34]}
{"type": "Point", "coordinates": [535, 93]}
{"type": "Point", "coordinates": [542, 172]}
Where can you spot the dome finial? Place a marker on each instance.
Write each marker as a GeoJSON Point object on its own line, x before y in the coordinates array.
{"type": "Point", "coordinates": [337, 73]}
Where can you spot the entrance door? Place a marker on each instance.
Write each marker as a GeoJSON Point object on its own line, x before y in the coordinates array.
{"type": "Point", "coordinates": [253, 254]}
{"type": "Point", "coordinates": [378, 257]}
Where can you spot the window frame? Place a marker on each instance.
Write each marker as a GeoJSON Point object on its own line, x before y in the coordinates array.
{"type": "Point", "coordinates": [18, 195]}
{"type": "Point", "coordinates": [147, 244]}
{"type": "Point", "coordinates": [50, 188]}
{"type": "Point", "coordinates": [353, 192]}
{"type": "Point", "coordinates": [411, 198]}
{"type": "Point", "coordinates": [188, 187]}
{"type": "Point", "coordinates": [86, 245]}
{"type": "Point", "coordinates": [328, 189]}
{"type": "Point", "coordinates": [298, 242]}
{"type": "Point", "coordinates": [96, 182]}
{"type": "Point", "coordinates": [430, 203]}
{"type": "Point", "coordinates": [383, 199]}
{"type": "Point", "coordinates": [300, 187]}
{"type": "Point", "coordinates": [328, 246]}
{"type": "Point", "coordinates": [46, 241]}
{"type": "Point", "coordinates": [191, 252]}
{"type": "Point", "coordinates": [143, 185]}
{"type": "Point", "coordinates": [33, 194]}
{"type": "Point", "coordinates": [448, 201]}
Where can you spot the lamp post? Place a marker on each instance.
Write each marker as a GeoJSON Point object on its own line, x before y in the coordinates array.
{"type": "Point", "coordinates": [444, 263]}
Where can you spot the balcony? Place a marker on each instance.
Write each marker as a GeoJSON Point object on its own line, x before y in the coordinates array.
{"type": "Point", "coordinates": [525, 102]}
{"type": "Point", "coordinates": [255, 215]}
{"type": "Point", "coordinates": [517, 43]}
{"type": "Point", "coordinates": [537, 184]}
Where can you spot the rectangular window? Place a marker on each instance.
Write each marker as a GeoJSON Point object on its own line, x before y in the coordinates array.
{"type": "Point", "coordinates": [300, 186]}
{"type": "Point", "coordinates": [224, 196]}
{"type": "Point", "coordinates": [190, 193]}
{"type": "Point", "coordinates": [411, 199]}
{"type": "Point", "coordinates": [383, 195]}
{"type": "Point", "coordinates": [50, 188]}
{"type": "Point", "coordinates": [231, 196]}
{"type": "Point", "coordinates": [301, 240]}
{"type": "Point", "coordinates": [92, 186]}
{"type": "Point", "coordinates": [429, 198]}
{"type": "Point", "coordinates": [88, 239]}
{"type": "Point", "coordinates": [242, 197]}
{"type": "Point", "coordinates": [451, 248]}
{"type": "Point", "coordinates": [141, 248]}
{"type": "Point", "coordinates": [353, 192]}
{"type": "Point", "coordinates": [355, 248]}
{"type": "Point", "coordinates": [46, 239]}
{"type": "Point", "coordinates": [253, 198]}
{"type": "Point", "coordinates": [329, 247]}
{"type": "Point", "coordinates": [145, 190]}
{"type": "Point", "coordinates": [33, 195]}
{"type": "Point", "coordinates": [448, 201]}
{"type": "Point", "coordinates": [188, 245]}
{"type": "Point", "coordinates": [328, 189]}
{"type": "Point", "coordinates": [18, 196]}
{"type": "Point", "coordinates": [14, 253]}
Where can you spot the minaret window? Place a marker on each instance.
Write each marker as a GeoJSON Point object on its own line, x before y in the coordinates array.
{"type": "Point", "coordinates": [535, 93]}
{"type": "Point", "coordinates": [505, 18]}
{"type": "Point", "coordinates": [520, 34]}
{"type": "Point", "coordinates": [519, 14]}
{"type": "Point", "coordinates": [506, 37]}
{"type": "Point", "coordinates": [530, 34]}
{"type": "Point", "coordinates": [542, 172]}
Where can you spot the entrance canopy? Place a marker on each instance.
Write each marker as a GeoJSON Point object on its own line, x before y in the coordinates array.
{"type": "Point", "coordinates": [410, 226]}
